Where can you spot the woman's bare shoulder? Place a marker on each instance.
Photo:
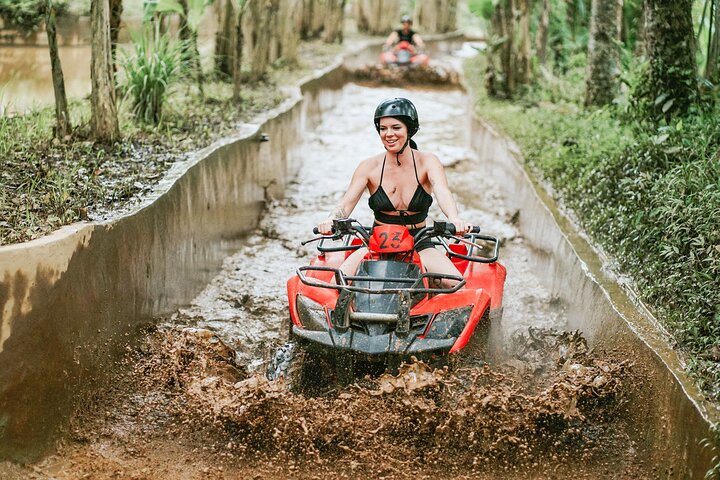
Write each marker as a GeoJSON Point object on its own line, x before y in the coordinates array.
{"type": "Point", "coordinates": [368, 165]}
{"type": "Point", "coordinates": [428, 159]}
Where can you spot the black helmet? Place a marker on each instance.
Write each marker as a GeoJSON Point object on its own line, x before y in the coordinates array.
{"type": "Point", "coordinates": [400, 108]}
{"type": "Point", "coordinates": [405, 18]}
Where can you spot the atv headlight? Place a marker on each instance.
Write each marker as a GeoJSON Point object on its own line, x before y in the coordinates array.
{"type": "Point", "coordinates": [449, 323]}
{"type": "Point", "coordinates": [312, 314]}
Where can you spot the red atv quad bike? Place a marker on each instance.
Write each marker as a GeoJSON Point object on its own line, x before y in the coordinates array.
{"type": "Point", "coordinates": [390, 311]}
{"type": "Point", "coordinates": [404, 54]}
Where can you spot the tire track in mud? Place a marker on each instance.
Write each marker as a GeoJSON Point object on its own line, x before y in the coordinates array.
{"type": "Point", "coordinates": [192, 401]}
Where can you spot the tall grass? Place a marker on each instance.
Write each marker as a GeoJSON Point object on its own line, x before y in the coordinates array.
{"type": "Point", "coordinates": [150, 72]}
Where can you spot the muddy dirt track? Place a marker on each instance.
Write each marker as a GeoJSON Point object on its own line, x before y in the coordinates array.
{"type": "Point", "coordinates": [193, 402]}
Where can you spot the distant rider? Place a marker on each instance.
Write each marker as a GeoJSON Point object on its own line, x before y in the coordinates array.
{"type": "Point", "coordinates": [405, 34]}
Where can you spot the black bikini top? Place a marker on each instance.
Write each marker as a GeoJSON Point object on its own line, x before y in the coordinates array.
{"type": "Point", "coordinates": [379, 202]}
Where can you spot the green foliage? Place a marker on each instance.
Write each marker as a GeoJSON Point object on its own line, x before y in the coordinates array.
{"type": "Point", "coordinates": [649, 195]}
{"type": "Point", "coordinates": [150, 72]}
{"type": "Point", "coordinates": [481, 8]}
{"type": "Point", "coordinates": [632, 20]}
{"type": "Point", "coordinates": [196, 9]}
{"type": "Point", "coordinates": [28, 15]}
{"type": "Point", "coordinates": [711, 444]}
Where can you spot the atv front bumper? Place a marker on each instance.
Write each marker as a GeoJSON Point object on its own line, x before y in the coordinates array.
{"type": "Point", "coordinates": [375, 347]}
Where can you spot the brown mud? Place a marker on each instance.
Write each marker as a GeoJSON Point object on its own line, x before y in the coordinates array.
{"type": "Point", "coordinates": [432, 74]}
{"type": "Point", "coordinates": [193, 401]}
{"type": "Point", "coordinates": [185, 408]}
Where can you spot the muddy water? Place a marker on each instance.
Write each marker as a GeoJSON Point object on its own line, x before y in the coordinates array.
{"type": "Point", "coordinates": [193, 402]}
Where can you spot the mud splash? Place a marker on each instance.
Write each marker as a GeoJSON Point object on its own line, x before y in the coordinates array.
{"type": "Point", "coordinates": [421, 422]}
{"type": "Point", "coordinates": [392, 75]}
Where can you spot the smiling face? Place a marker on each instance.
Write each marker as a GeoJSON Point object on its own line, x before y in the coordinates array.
{"type": "Point", "coordinates": [393, 134]}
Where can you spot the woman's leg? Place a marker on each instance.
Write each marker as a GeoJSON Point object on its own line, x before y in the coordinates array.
{"type": "Point", "coordinates": [351, 263]}
{"type": "Point", "coordinates": [435, 261]}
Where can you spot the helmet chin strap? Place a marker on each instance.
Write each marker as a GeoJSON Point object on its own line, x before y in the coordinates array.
{"type": "Point", "coordinates": [397, 157]}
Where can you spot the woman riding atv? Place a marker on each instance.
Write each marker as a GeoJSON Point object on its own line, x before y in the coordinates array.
{"type": "Point", "coordinates": [400, 182]}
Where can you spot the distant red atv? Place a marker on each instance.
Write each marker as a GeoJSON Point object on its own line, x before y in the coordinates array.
{"type": "Point", "coordinates": [387, 312]}
{"type": "Point", "coordinates": [404, 54]}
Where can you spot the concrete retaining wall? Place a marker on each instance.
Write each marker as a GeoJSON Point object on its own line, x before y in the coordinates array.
{"type": "Point", "coordinates": [73, 300]}
{"type": "Point", "coordinates": [671, 420]}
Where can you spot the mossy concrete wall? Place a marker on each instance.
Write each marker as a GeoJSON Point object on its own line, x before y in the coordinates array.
{"type": "Point", "coordinates": [667, 409]}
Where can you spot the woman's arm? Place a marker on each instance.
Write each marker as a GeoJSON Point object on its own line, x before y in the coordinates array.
{"type": "Point", "coordinates": [350, 199]}
{"type": "Point", "coordinates": [438, 179]}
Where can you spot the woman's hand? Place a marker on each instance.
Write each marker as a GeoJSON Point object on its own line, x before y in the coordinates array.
{"type": "Point", "coordinates": [461, 226]}
{"type": "Point", "coordinates": [325, 227]}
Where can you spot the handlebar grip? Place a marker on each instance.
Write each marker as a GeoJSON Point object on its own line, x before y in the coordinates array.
{"type": "Point", "coordinates": [450, 227]}
{"type": "Point", "coordinates": [317, 232]}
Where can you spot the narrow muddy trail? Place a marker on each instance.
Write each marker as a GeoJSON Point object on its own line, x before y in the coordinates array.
{"type": "Point", "coordinates": [192, 401]}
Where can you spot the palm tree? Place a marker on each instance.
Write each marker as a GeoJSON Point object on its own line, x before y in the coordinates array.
{"type": "Point", "coordinates": [603, 53]}
{"type": "Point", "coordinates": [669, 85]}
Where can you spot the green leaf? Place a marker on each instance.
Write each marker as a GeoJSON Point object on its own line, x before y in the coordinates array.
{"type": "Point", "coordinates": [659, 139]}
{"type": "Point", "coordinates": [660, 98]}
{"type": "Point", "coordinates": [666, 106]}
{"type": "Point", "coordinates": [168, 6]}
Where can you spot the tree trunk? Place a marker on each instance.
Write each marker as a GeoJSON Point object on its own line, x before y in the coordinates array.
{"type": "Point", "coordinates": [224, 44]}
{"type": "Point", "coordinates": [522, 42]}
{"type": "Point", "coordinates": [669, 83]}
{"type": "Point", "coordinates": [377, 17]}
{"type": "Point", "coordinates": [289, 26]}
{"type": "Point", "coordinates": [189, 38]}
{"type": "Point", "coordinates": [542, 32]}
{"type": "Point", "coordinates": [436, 16]}
{"type": "Point", "coordinates": [312, 19]}
{"type": "Point", "coordinates": [713, 55]}
{"type": "Point", "coordinates": [274, 47]}
{"type": "Point", "coordinates": [196, 62]}
{"type": "Point", "coordinates": [260, 13]}
{"type": "Point", "coordinates": [62, 116]}
{"type": "Point", "coordinates": [640, 42]}
{"type": "Point", "coordinates": [238, 55]}
{"type": "Point", "coordinates": [510, 53]}
{"type": "Point", "coordinates": [333, 29]}
{"type": "Point", "coordinates": [116, 9]}
{"type": "Point", "coordinates": [504, 27]}
{"type": "Point", "coordinates": [603, 68]}
{"type": "Point", "coordinates": [104, 121]}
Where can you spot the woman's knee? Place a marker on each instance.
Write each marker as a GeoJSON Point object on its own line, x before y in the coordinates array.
{"type": "Point", "coordinates": [351, 263]}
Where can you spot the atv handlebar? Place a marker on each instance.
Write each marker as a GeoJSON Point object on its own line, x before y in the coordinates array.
{"type": "Point", "coordinates": [349, 228]}
{"type": "Point", "coordinates": [441, 228]}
